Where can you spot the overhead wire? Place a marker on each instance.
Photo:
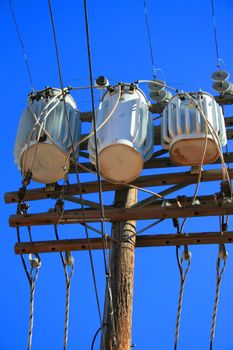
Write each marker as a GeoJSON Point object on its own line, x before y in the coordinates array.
{"type": "Point", "coordinates": [156, 83]}
{"type": "Point", "coordinates": [32, 276]}
{"type": "Point", "coordinates": [35, 263]}
{"type": "Point", "coordinates": [21, 44]}
{"type": "Point", "coordinates": [145, 229]}
{"type": "Point", "coordinates": [34, 259]}
{"type": "Point", "coordinates": [104, 241]}
{"type": "Point", "coordinates": [220, 269]}
{"type": "Point", "coordinates": [22, 256]}
{"type": "Point", "coordinates": [215, 34]}
{"type": "Point", "coordinates": [96, 334]}
{"type": "Point", "coordinates": [149, 39]}
{"type": "Point", "coordinates": [202, 158]}
{"type": "Point", "coordinates": [76, 168]}
{"type": "Point", "coordinates": [66, 261]}
{"type": "Point", "coordinates": [186, 256]}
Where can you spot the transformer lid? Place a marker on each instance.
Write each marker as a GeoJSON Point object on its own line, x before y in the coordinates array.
{"type": "Point", "coordinates": [189, 151]}
{"type": "Point", "coordinates": [120, 163]}
{"type": "Point", "coordinates": [47, 162]}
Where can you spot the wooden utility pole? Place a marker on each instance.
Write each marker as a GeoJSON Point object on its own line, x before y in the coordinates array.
{"type": "Point", "coordinates": [118, 331]}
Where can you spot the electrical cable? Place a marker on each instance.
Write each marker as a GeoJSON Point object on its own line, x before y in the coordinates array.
{"type": "Point", "coordinates": [186, 256]}
{"type": "Point", "coordinates": [37, 119]}
{"type": "Point", "coordinates": [156, 83]}
{"type": "Point", "coordinates": [145, 228]}
{"type": "Point", "coordinates": [107, 274]}
{"type": "Point", "coordinates": [76, 168]}
{"type": "Point", "coordinates": [96, 333]}
{"type": "Point", "coordinates": [77, 144]}
{"type": "Point", "coordinates": [222, 257]}
{"type": "Point", "coordinates": [69, 261]}
{"type": "Point", "coordinates": [35, 263]}
{"type": "Point", "coordinates": [21, 255]}
{"type": "Point", "coordinates": [215, 139]}
{"type": "Point", "coordinates": [57, 238]}
{"type": "Point", "coordinates": [202, 158]}
{"type": "Point", "coordinates": [22, 45]}
{"type": "Point", "coordinates": [149, 40]}
{"type": "Point", "coordinates": [215, 34]}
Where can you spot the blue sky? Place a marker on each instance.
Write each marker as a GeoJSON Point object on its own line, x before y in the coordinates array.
{"type": "Point", "coordinates": [183, 45]}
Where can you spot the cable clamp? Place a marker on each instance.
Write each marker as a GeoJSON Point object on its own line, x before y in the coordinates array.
{"type": "Point", "coordinates": [222, 253]}
{"type": "Point", "coordinates": [22, 208]}
{"type": "Point", "coordinates": [69, 259]}
{"type": "Point", "coordinates": [35, 261]}
{"type": "Point", "coordinates": [186, 255]}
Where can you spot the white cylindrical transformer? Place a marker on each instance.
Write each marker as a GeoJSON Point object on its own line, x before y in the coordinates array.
{"type": "Point", "coordinates": [47, 128]}
{"type": "Point", "coordinates": [185, 129]}
{"type": "Point", "coordinates": [125, 141]}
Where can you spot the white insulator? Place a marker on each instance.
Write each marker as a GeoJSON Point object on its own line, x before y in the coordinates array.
{"type": "Point", "coordinates": [184, 128]}
{"type": "Point", "coordinates": [126, 140]}
{"type": "Point", "coordinates": [220, 75]}
{"type": "Point", "coordinates": [223, 87]}
{"type": "Point", "coordinates": [46, 131]}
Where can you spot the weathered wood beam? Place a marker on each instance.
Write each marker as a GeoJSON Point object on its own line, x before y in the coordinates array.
{"type": "Point", "coordinates": [227, 99]}
{"type": "Point", "coordinates": [141, 241]}
{"type": "Point", "coordinates": [143, 181]}
{"type": "Point", "coordinates": [155, 211]}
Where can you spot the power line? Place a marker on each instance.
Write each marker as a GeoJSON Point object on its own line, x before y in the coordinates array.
{"type": "Point", "coordinates": [94, 127]}
{"type": "Point", "coordinates": [76, 168]}
{"type": "Point", "coordinates": [215, 33]}
{"type": "Point", "coordinates": [96, 333]}
{"type": "Point", "coordinates": [186, 256]}
{"type": "Point", "coordinates": [108, 276]}
{"type": "Point", "coordinates": [22, 45]}
{"type": "Point", "coordinates": [149, 39]}
{"type": "Point", "coordinates": [220, 269]}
